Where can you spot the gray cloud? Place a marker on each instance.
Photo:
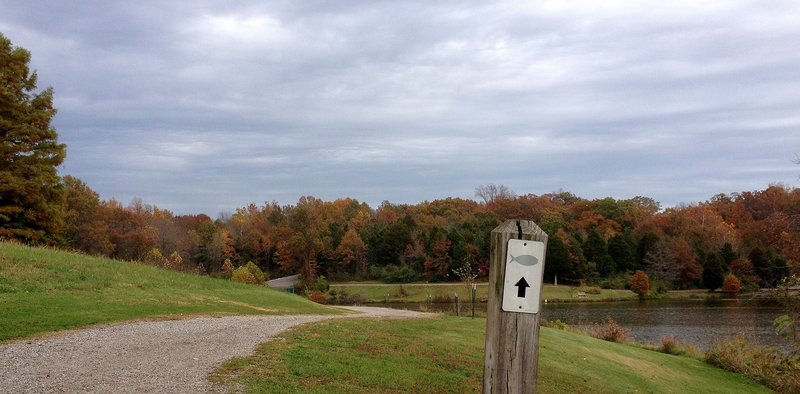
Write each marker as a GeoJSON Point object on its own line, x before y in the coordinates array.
{"type": "Point", "coordinates": [208, 107]}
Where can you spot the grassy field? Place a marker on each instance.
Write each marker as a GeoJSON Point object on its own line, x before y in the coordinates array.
{"type": "Point", "coordinates": [446, 355]}
{"type": "Point", "coordinates": [419, 292]}
{"type": "Point", "coordinates": [44, 290]}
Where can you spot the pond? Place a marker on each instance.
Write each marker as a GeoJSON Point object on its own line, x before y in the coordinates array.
{"type": "Point", "coordinates": [697, 321]}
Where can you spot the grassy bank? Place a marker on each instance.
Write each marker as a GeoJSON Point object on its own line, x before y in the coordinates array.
{"type": "Point", "coordinates": [419, 292]}
{"type": "Point", "coordinates": [446, 355]}
{"type": "Point", "coordinates": [44, 290]}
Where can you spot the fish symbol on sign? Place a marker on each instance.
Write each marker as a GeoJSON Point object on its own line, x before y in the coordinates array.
{"type": "Point", "coordinates": [526, 259]}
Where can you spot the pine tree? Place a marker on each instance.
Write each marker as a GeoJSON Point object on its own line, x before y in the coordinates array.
{"type": "Point", "coordinates": [30, 188]}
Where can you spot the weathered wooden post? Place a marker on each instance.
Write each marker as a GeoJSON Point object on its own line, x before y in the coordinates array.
{"type": "Point", "coordinates": [474, 291]}
{"type": "Point", "coordinates": [516, 266]}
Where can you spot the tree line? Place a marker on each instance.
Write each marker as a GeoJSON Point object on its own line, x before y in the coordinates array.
{"type": "Point", "coordinates": [753, 235]}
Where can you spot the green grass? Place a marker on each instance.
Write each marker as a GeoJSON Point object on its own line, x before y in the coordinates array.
{"type": "Point", "coordinates": [44, 290]}
{"type": "Point", "coordinates": [446, 355]}
{"type": "Point", "coordinates": [418, 292]}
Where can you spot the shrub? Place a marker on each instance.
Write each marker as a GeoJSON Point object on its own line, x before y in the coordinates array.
{"type": "Point", "coordinates": [155, 257]}
{"type": "Point", "coordinates": [640, 283]}
{"type": "Point", "coordinates": [320, 284]}
{"type": "Point", "coordinates": [243, 275]}
{"type": "Point", "coordinates": [260, 276]}
{"type": "Point", "coordinates": [441, 299]}
{"type": "Point", "coordinates": [670, 345]}
{"type": "Point", "coordinates": [558, 325]}
{"type": "Point", "coordinates": [401, 292]}
{"type": "Point", "coordinates": [341, 297]}
{"type": "Point", "coordinates": [590, 290]}
{"type": "Point", "coordinates": [619, 281]}
{"type": "Point", "coordinates": [731, 284]}
{"type": "Point", "coordinates": [226, 272]}
{"type": "Point", "coordinates": [610, 331]}
{"type": "Point", "coordinates": [227, 266]}
{"type": "Point", "coordinates": [768, 366]}
{"type": "Point", "coordinates": [176, 261]}
{"type": "Point", "coordinates": [317, 296]}
{"type": "Point", "coordinates": [402, 274]}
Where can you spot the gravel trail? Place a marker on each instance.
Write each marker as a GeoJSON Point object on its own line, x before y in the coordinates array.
{"type": "Point", "coordinates": [173, 356]}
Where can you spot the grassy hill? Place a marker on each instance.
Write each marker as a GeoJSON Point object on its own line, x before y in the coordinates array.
{"type": "Point", "coordinates": [44, 290]}
{"type": "Point", "coordinates": [445, 355]}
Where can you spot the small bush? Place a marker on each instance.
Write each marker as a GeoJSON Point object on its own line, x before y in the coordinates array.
{"type": "Point", "coordinates": [226, 272]}
{"type": "Point", "coordinates": [341, 297]}
{"type": "Point", "coordinates": [394, 274]}
{"type": "Point", "coordinates": [619, 281]}
{"type": "Point", "coordinates": [731, 284]}
{"type": "Point", "coordinates": [401, 292]}
{"type": "Point", "coordinates": [317, 296]}
{"type": "Point", "coordinates": [154, 257]}
{"type": "Point", "coordinates": [243, 275]}
{"type": "Point", "coordinates": [320, 284]}
{"type": "Point", "coordinates": [610, 331]}
{"type": "Point", "coordinates": [175, 261]}
{"type": "Point", "coordinates": [558, 325]}
{"type": "Point", "coordinates": [590, 290]}
{"type": "Point", "coordinates": [670, 345]}
{"type": "Point", "coordinates": [768, 366]}
{"type": "Point", "coordinates": [441, 299]}
{"type": "Point", "coordinates": [260, 276]}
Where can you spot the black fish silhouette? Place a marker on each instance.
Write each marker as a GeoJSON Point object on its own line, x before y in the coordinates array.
{"type": "Point", "coordinates": [525, 259]}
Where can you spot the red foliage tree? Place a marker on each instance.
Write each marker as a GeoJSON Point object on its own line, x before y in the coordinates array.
{"type": "Point", "coordinates": [640, 283]}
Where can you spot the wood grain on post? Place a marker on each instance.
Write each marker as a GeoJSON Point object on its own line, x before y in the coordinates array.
{"type": "Point", "coordinates": [512, 339]}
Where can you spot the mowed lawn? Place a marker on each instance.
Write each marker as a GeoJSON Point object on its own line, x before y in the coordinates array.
{"type": "Point", "coordinates": [419, 292]}
{"type": "Point", "coordinates": [445, 355]}
{"type": "Point", "coordinates": [44, 290]}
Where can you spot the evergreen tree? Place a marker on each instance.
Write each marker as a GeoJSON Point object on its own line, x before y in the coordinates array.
{"type": "Point", "coordinates": [596, 250]}
{"type": "Point", "coordinates": [623, 250]}
{"type": "Point", "coordinates": [558, 261]}
{"type": "Point", "coordinates": [728, 254]}
{"type": "Point", "coordinates": [30, 188]}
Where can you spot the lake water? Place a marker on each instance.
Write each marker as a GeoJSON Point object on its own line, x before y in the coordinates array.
{"type": "Point", "coordinates": [698, 321]}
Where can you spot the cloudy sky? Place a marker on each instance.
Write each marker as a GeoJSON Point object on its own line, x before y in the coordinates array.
{"type": "Point", "coordinates": [206, 106]}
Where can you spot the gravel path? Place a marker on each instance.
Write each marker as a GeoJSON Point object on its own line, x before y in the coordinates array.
{"type": "Point", "coordinates": [172, 356]}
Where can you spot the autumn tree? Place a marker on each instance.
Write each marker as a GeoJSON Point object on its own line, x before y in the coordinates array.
{"type": "Point", "coordinates": [352, 252]}
{"type": "Point", "coordinates": [437, 265]}
{"type": "Point", "coordinates": [84, 225]}
{"type": "Point", "coordinates": [731, 284]}
{"type": "Point", "coordinates": [689, 269]}
{"type": "Point", "coordinates": [640, 283]}
{"type": "Point", "coordinates": [30, 188]}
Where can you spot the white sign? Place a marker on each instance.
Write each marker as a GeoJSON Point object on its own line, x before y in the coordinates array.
{"type": "Point", "coordinates": [524, 271]}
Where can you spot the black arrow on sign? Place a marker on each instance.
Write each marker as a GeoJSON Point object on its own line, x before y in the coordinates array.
{"type": "Point", "coordinates": [522, 285]}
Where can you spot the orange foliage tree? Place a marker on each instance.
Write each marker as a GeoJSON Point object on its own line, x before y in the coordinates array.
{"type": "Point", "coordinates": [640, 283]}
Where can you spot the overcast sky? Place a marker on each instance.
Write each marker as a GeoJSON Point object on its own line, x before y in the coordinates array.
{"type": "Point", "coordinates": [206, 106]}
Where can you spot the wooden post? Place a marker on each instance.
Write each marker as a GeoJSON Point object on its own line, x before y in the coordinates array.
{"type": "Point", "coordinates": [512, 339]}
{"type": "Point", "coordinates": [458, 306]}
{"type": "Point", "coordinates": [474, 291]}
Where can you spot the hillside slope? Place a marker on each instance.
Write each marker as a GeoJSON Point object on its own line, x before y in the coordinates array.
{"type": "Point", "coordinates": [44, 290]}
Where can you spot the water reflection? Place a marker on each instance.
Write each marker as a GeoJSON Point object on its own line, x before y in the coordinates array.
{"type": "Point", "coordinates": [698, 321]}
